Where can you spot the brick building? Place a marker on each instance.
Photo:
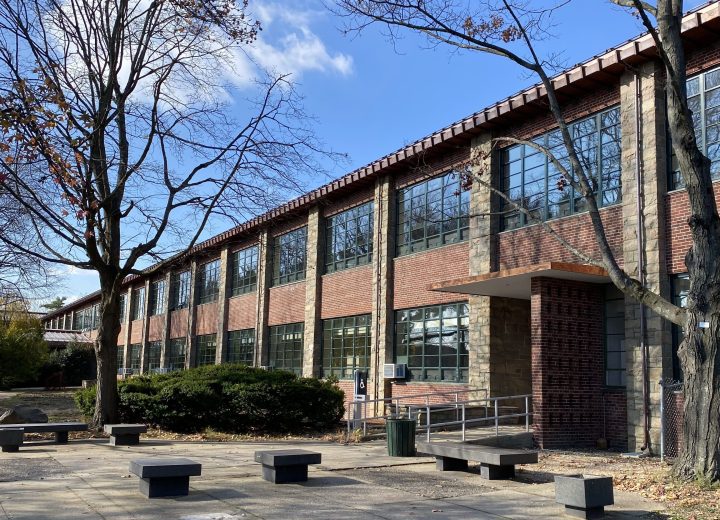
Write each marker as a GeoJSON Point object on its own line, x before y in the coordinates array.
{"type": "Point", "coordinates": [402, 262]}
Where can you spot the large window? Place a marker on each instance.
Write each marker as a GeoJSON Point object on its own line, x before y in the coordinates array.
{"type": "Point", "coordinates": [135, 357]}
{"type": "Point", "coordinates": [244, 270]}
{"type": "Point", "coordinates": [175, 355]}
{"type": "Point", "coordinates": [433, 342]}
{"type": "Point", "coordinates": [703, 92]}
{"type": "Point", "coordinates": [206, 348]}
{"type": "Point", "coordinates": [157, 298]}
{"type": "Point", "coordinates": [289, 252]}
{"type": "Point", "coordinates": [432, 213]}
{"type": "Point", "coordinates": [615, 374]}
{"type": "Point", "coordinates": [286, 347]}
{"type": "Point", "coordinates": [532, 181]}
{"type": "Point", "coordinates": [123, 306]}
{"type": "Point", "coordinates": [153, 355]}
{"type": "Point", "coordinates": [349, 238]}
{"type": "Point", "coordinates": [137, 304]}
{"type": "Point", "coordinates": [346, 346]}
{"type": "Point", "coordinates": [120, 357]}
{"type": "Point", "coordinates": [179, 290]}
{"type": "Point", "coordinates": [241, 346]}
{"type": "Point", "coordinates": [208, 281]}
{"type": "Point", "coordinates": [680, 289]}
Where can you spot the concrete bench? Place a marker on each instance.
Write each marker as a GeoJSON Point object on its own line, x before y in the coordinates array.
{"type": "Point", "coordinates": [283, 466]}
{"type": "Point", "coordinates": [125, 434]}
{"type": "Point", "coordinates": [495, 463]}
{"type": "Point", "coordinates": [60, 429]}
{"type": "Point", "coordinates": [11, 439]}
{"type": "Point", "coordinates": [165, 477]}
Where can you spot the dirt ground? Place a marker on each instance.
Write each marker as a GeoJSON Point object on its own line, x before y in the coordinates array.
{"type": "Point", "coordinates": [649, 478]}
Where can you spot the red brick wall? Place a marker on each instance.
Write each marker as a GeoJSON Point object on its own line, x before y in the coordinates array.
{"type": "Point", "coordinates": [206, 318]}
{"type": "Point", "coordinates": [287, 304]}
{"type": "Point", "coordinates": [356, 198]}
{"type": "Point", "coordinates": [136, 328]}
{"type": "Point", "coordinates": [413, 273]}
{"type": "Point", "coordinates": [616, 418]}
{"type": "Point", "coordinates": [424, 170]}
{"type": "Point", "coordinates": [179, 323]}
{"type": "Point", "coordinates": [567, 363]}
{"type": "Point", "coordinates": [703, 59]}
{"type": "Point", "coordinates": [242, 312]}
{"type": "Point", "coordinates": [156, 324]}
{"type": "Point", "coordinates": [679, 240]}
{"type": "Point", "coordinates": [403, 389]}
{"type": "Point", "coordinates": [346, 293]}
{"type": "Point", "coordinates": [531, 245]}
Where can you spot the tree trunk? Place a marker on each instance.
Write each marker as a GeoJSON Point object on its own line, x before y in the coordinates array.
{"type": "Point", "coordinates": [106, 355]}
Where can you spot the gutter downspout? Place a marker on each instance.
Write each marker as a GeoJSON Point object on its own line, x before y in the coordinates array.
{"type": "Point", "coordinates": [640, 194]}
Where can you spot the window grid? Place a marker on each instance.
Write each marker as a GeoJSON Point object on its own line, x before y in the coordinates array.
{"type": "Point", "coordinates": [175, 355]}
{"type": "Point", "coordinates": [135, 357]}
{"type": "Point", "coordinates": [179, 290]}
{"type": "Point", "coordinates": [244, 271]}
{"type": "Point", "coordinates": [153, 355]}
{"type": "Point", "coordinates": [289, 255]}
{"type": "Point", "coordinates": [346, 346]}
{"type": "Point", "coordinates": [208, 283]}
{"type": "Point", "coordinates": [137, 304]}
{"type": "Point", "coordinates": [703, 97]}
{"type": "Point", "coordinates": [432, 213]}
{"type": "Point", "coordinates": [241, 346]}
{"type": "Point", "coordinates": [433, 342]}
{"type": "Point", "coordinates": [615, 372]}
{"type": "Point", "coordinates": [123, 306]}
{"type": "Point", "coordinates": [120, 357]}
{"type": "Point", "coordinates": [531, 180]}
{"type": "Point", "coordinates": [349, 238]}
{"type": "Point", "coordinates": [286, 347]}
{"type": "Point", "coordinates": [206, 348]}
{"type": "Point", "coordinates": [157, 298]}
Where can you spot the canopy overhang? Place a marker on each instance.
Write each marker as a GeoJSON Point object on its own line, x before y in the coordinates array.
{"type": "Point", "coordinates": [515, 283]}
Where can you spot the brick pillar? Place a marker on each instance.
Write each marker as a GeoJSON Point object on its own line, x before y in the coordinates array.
{"type": "Point", "coordinates": [126, 325]}
{"type": "Point", "coordinates": [191, 347]}
{"type": "Point", "coordinates": [262, 332]}
{"type": "Point", "coordinates": [312, 336]}
{"type": "Point", "coordinates": [653, 149]}
{"type": "Point", "coordinates": [382, 317]}
{"type": "Point", "coordinates": [145, 326]}
{"type": "Point", "coordinates": [166, 323]}
{"type": "Point", "coordinates": [567, 362]}
{"type": "Point", "coordinates": [222, 305]}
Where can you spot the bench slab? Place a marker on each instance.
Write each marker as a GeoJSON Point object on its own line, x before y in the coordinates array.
{"type": "Point", "coordinates": [125, 434]}
{"type": "Point", "coordinates": [165, 477]}
{"type": "Point", "coordinates": [286, 466]}
{"type": "Point", "coordinates": [60, 429]}
{"type": "Point", "coordinates": [495, 463]}
{"type": "Point", "coordinates": [11, 439]}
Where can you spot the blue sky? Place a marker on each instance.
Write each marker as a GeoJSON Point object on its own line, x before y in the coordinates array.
{"type": "Point", "coordinates": [370, 98]}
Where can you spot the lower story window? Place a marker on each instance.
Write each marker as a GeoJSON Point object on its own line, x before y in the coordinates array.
{"type": "Point", "coordinates": [433, 342]}
{"type": "Point", "coordinates": [206, 347]}
{"type": "Point", "coordinates": [175, 355]}
{"type": "Point", "coordinates": [346, 346]}
{"type": "Point", "coordinates": [680, 289]}
{"type": "Point", "coordinates": [614, 337]}
{"type": "Point", "coordinates": [241, 346]}
{"type": "Point", "coordinates": [286, 347]}
{"type": "Point", "coordinates": [121, 357]}
{"type": "Point", "coordinates": [153, 355]}
{"type": "Point", "coordinates": [135, 358]}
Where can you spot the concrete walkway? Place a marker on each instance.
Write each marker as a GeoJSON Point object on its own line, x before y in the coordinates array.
{"type": "Point", "coordinates": [90, 480]}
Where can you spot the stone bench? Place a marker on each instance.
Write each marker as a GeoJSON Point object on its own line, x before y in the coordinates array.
{"type": "Point", "coordinates": [495, 463]}
{"type": "Point", "coordinates": [11, 439]}
{"type": "Point", "coordinates": [283, 466]}
{"type": "Point", "coordinates": [125, 434]}
{"type": "Point", "coordinates": [165, 477]}
{"type": "Point", "coordinates": [60, 429]}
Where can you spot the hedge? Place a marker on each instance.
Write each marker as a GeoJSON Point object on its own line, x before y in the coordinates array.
{"type": "Point", "coordinates": [228, 397]}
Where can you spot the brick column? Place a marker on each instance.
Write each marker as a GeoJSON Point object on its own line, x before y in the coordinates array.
{"type": "Point", "coordinates": [653, 150]}
{"type": "Point", "coordinates": [166, 323]}
{"type": "Point", "coordinates": [191, 347]}
{"type": "Point", "coordinates": [312, 336]}
{"type": "Point", "coordinates": [382, 317]}
{"type": "Point", "coordinates": [262, 333]}
{"type": "Point", "coordinates": [145, 326]}
{"type": "Point", "coordinates": [567, 362]}
{"type": "Point", "coordinates": [222, 304]}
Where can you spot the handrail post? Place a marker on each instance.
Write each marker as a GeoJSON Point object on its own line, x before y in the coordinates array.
{"type": "Point", "coordinates": [527, 413]}
{"type": "Point", "coordinates": [463, 422]}
{"type": "Point", "coordinates": [497, 422]}
{"type": "Point", "coordinates": [662, 421]}
{"type": "Point", "coordinates": [427, 422]}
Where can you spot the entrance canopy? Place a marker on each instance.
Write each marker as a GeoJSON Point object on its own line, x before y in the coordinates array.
{"type": "Point", "coordinates": [515, 283]}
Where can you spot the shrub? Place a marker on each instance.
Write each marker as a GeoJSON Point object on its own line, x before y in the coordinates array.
{"type": "Point", "coordinates": [76, 362]}
{"type": "Point", "coordinates": [231, 398]}
{"type": "Point", "coordinates": [22, 350]}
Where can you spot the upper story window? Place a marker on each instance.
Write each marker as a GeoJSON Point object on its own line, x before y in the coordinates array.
{"type": "Point", "coordinates": [208, 281]}
{"type": "Point", "coordinates": [529, 179]}
{"type": "Point", "coordinates": [179, 290]}
{"type": "Point", "coordinates": [157, 298]}
{"type": "Point", "coordinates": [703, 96]}
{"type": "Point", "coordinates": [349, 238]}
{"type": "Point", "coordinates": [94, 317]}
{"type": "Point", "coordinates": [289, 255]}
{"type": "Point", "coordinates": [137, 304]}
{"type": "Point", "coordinates": [123, 306]}
{"type": "Point", "coordinates": [432, 213]}
{"type": "Point", "coordinates": [244, 270]}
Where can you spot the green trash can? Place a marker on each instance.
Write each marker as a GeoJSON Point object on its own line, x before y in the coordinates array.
{"type": "Point", "coordinates": [400, 437]}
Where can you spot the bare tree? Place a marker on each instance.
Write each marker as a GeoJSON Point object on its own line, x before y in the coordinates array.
{"type": "Point", "coordinates": [117, 141]}
{"type": "Point", "coordinates": [511, 29]}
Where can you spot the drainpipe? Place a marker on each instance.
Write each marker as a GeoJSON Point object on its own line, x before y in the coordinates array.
{"type": "Point", "coordinates": [641, 266]}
